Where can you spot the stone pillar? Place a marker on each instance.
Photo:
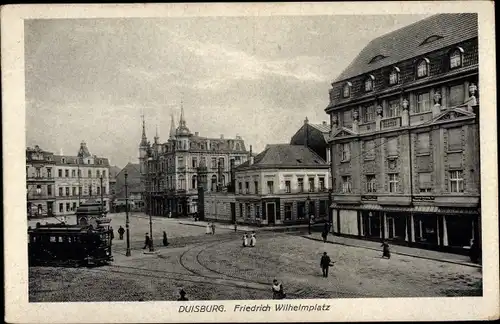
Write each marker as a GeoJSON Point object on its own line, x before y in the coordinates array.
{"type": "Point", "coordinates": [405, 116]}
{"type": "Point", "coordinates": [355, 120]}
{"type": "Point", "coordinates": [412, 228]}
{"type": "Point", "coordinates": [378, 118]}
{"type": "Point", "coordinates": [445, 232]}
{"type": "Point", "coordinates": [438, 234]}
{"type": "Point", "coordinates": [436, 109]}
{"type": "Point", "coordinates": [472, 99]}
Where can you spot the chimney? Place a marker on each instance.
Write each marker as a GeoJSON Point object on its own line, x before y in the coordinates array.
{"type": "Point", "coordinates": [324, 122]}
{"type": "Point", "coordinates": [306, 131]}
{"type": "Point", "coordinates": [251, 156]}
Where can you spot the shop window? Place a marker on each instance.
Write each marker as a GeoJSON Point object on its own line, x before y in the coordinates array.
{"type": "Point", "coordinates": [288, 211]}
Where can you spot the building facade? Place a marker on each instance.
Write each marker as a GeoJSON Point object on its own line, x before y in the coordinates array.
{"type": "Point", "coordinates": [170, 170]}
{"type": "Point", "coordinates": [135, 188]}
{"type": "Point", "coordinates": [40, 182]}
{"type": "Point", "coordinates": [405, 137]}
{"type": "Point", "coordinates": [285, 184]}
{"type": "Point", "coordinates": [315, 137]}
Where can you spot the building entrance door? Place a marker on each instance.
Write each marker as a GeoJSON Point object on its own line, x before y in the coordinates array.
{"type": "Point", "coordinates": [271, 212]}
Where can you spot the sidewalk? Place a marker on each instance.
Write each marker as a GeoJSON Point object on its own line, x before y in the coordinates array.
{"type": "Point", "coordinates": [398, 250]}
{"type": "Point", "coordinates": [244, 228]}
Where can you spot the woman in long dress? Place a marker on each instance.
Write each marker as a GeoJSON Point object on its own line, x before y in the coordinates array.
{"type": "Point", "coordinates": [253, 240]}
{"type": "Point", "coordinates": [245, 240]}
{"type": "Point", "coordinates": [208, 229]}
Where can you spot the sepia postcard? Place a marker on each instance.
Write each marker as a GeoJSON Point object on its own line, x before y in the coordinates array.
{"type": "Point", "coordinates": [250, 162]}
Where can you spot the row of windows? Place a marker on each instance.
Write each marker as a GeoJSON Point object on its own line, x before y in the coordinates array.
{"type": "Point", "coordinates": [247, 208]}
{"type": "Point", "coordinates": [214, 163]}
{"type": "Point", "coordinates": [421, 104]}
{"type": "Point", "coordinates": [288, 186]}
{"type": "Point", "coordinates": [454, 143]}
{"type": "Point", "coordinates": [65, 191]}
{"type": "Point", "coordinates": [455, 182]}
{"type": "Point", "coordinates": [421, 71]}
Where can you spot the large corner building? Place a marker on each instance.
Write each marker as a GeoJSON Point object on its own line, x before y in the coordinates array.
{"type": "Point", "coordinates": [172, 170]}
{"type": "Point", "coordinates": [405, 136]}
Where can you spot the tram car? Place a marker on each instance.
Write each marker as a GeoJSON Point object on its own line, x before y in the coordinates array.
{"type": "Point", "coordinates": [87, 243]}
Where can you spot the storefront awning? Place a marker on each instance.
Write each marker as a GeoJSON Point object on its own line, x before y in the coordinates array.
{"type": "Point", "coordinates": [414, 209]}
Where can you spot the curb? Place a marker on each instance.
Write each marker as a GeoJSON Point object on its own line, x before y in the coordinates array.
{"type": "Point", "coordinates": [400, 253]}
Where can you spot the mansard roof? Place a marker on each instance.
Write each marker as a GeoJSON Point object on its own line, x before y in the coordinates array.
{"type": "Point", "coordinates": [422, 37]}
{"type": "Point", "coordinates": [286, 156]}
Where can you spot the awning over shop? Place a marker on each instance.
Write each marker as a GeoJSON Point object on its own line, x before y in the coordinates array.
{"type": "Point", "coordinates": [414, 209]}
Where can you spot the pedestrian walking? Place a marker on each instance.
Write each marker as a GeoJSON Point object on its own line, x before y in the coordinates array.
{"type": "Point", "coordinates": [147, 241]}
{"type": "Point", "coordinates": [278, 291]}
{"type": "Point", "coordinates": [182, 295]}
{"type": "Point", "coordinates": [165, 240]}
{"type": "Point", "coordinates": [324, 235]}
{"type": "Point", "coordinates": [121, 231]}
{"type": "Point", "coordinates": [112, 234]}
{"type": "Point", "coordinates": [325, 264]}
{"type": "Point", "coordinates": [386, 253]}
{"type": "Point", "coordinates": [208, 229]}
{"type": "Point", "coordinates": [169, 214]}
{"type": "Point", "coordinates": [213, 228]}
{"type": "Point", "coordinates": [253, 240]}
{"type": "Point", "coordinates": [245, 240]}
{"type": "Point", "coordinates": [235, 227]}
{"type": "Point", "coordinates": [474, 252]}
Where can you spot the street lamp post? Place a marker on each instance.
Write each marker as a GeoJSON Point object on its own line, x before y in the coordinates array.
{"type": "Point", "coordinates": [102, 199]}
{"type": "Point", "coordinates": [309, 218]}
{"type": "Point", "coordinates": [126, 215]}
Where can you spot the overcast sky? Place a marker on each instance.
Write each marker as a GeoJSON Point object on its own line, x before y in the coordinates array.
{"type": "Point", "coordinates": [258, 77]}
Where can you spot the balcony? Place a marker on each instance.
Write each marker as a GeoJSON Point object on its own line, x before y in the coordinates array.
{"type": "Point", "coordinates": [392, 122]}
{"type": "Point", "coordinates": [35, 178]}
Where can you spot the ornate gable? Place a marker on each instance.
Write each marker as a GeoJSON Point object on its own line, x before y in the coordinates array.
{"type": "Point", "coordinates": [343, 132]}
{"type": "Point", "coordinates": [451, 114]}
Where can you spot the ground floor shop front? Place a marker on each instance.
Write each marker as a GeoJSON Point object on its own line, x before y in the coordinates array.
{"type": "Point", "coordinates": [449, 229]}
{"type": "Point", "coordinates": [171, 205]}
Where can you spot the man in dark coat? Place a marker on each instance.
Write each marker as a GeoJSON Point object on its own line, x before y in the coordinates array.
{"type": "Point", "coordinates": [147, 242]}
{"type": "Point", "coordinates": [325, 263]}
{"type": "Point", "coordinates": [121, 231]}
{"type": "Point", "coordinates": [182, 294]}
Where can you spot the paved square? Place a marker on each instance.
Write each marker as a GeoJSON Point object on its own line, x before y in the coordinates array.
{"type": "Point", "coordinates": [211, 267]}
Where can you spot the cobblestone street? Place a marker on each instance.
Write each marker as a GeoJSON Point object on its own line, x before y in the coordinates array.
{"type": "Point", "coordinates": [211, 267]}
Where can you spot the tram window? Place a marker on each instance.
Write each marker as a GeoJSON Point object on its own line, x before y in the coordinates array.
{"type": "Point", "coordinates": [53, 239]}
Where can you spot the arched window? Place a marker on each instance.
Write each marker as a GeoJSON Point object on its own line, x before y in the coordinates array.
{"type": "Point", "coordinates": [456, 58]}
{"type": "Point", "coordinates": [346, 90]}
{"type": "Point", "coordinates": [394, 76]}
{"type": "Point", "coordinates": [423, 68]}
{"type": "Point", "coordinates": [369, 83]}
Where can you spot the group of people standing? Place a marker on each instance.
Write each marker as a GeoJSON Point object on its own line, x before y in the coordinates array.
{"type": "Point", "coordinates": [210, 229]}
{"type": "Point", "coordinates": [249, 240]}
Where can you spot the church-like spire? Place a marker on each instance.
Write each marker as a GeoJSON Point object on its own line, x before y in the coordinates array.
{"type": "Point", "coordinates": [182, 121]}
{"type": "Point", "coordinates": [144, 139]}
{"type": "Point", "coordinates": [172, 126]}
{"type": "Point", "coordinates": [156, 135]}
{"type": "Point", "coordinates": [182, 129]}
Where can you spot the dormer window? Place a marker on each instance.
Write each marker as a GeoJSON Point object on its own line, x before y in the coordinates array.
{"type": "Point", "coordinates": [423, 68]}
{"type": "Point", "coordinates": [394, 76]}
{"type": "Point", "coordinates": [456, 58]}
{"type": "Point", "coordinates": [369, 83]}
{"type": "Point", "coordinates": [377, 58]}
{"type": "Point", "coordinates": [346, 90]}
{"type": "Point", "coordinates": [431, 39]}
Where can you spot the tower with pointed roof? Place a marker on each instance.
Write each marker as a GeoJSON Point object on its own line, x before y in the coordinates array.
{"type": "Point", "coordinates": [143, 148]}
{"type": "Point", "coordinates": [182, 133]}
